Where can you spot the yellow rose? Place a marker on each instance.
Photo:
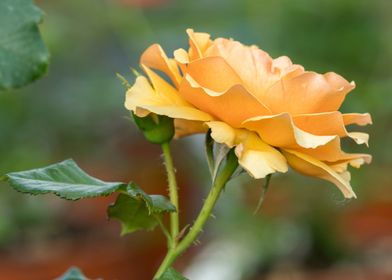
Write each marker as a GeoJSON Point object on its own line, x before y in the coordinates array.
{"type": "Point", "coordinates": [272, 111]}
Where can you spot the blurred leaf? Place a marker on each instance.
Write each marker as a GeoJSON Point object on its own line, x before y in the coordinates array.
{"type": "Point", "coordinates": [23, 55]}
{"type": "Point", "coordinates": [73, 273]}
{"type": "Point", "coordinates": [64, 179]}
{"type": "Point", "coordinates": [136, 210]}
{"type": "Point", "coordinates": [171, 274]}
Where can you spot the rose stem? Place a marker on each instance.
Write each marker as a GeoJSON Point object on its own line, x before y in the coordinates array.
{"type": "Point", "coordinates": [218, 185]}
{"type": "Point", "coordinates": [173, 192]}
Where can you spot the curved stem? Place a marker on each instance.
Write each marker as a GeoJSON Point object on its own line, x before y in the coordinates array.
{"type": "Point", "coordinates": [173, 192]}
{"type": "Point", "coordinates": [220, 182]}
{"type": "Point", "coordinates": [165, 232]}
{"type": "Point", "coordinates": [264, 190]}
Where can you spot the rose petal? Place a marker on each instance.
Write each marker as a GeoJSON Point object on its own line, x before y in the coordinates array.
{"type": "Point", "coordinates": [223, 98]}
{"type": "Point", "coordinates": [331, 123]}
{"type": "Point", "coordinates": [307, 93]}
{"type": "Point", "coordinates": [255, 156]}
{"type": "Point", "coordinates": [181, 56]}
{"type": "Point", "coordinates": [310, 166]}
{"type": "Point", "coordinates": [253, 65]}
{"type": "Point", "coordinates": [359, 119]}
{"type": "Point", "coordinates": [280, 131]}
{"type": "Point", "coordinates": [330, 152]}
{"type": "Point", "coordinates": [223, 133]}
{"type": "Point", "coordinates": [186, 127]}
{"type": "Point", "coordinates": [285, 68]}
{"type": "Point", "coordinates": [154, 57]}
{"type": "Point", "coordinates": [356, 162]}
{"type": "Point", "coordinates": [214, 74]}
{"type": "Point", "coordinates": [198, 43]}
{"type": "Point", "coordinates": [164, 89]}
{"type": "Point", "coordinates": [142, 95]}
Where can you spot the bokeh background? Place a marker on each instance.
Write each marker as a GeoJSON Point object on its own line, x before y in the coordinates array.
{"type": "Point", "coordinates": [306, 230]}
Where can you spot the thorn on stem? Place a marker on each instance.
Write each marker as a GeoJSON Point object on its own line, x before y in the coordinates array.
{"type": "Point", "coordinates": [182, 233]}
{"type": "Point", "coordinates": [197, 242]}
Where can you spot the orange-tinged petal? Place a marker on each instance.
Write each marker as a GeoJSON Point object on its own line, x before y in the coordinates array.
{"type": "Point", "coordinates": [214, 74]}
{"type": "Point", "coordinates": [307, 93]}
{"type": "Point", "coordinates": [142, 96]}
{"type": "Point", "coordinates": [203, 88]}
{"type": "Point", "coordinates": [280, 131]}
{"type": "Point", "coordinates": [359, 119]}
{"type": "Point", "coordinates": [284, 67]}
{"type": "Point", "coordinates": [329, 123]}
{"type": "Point", "coordinates": [310, 166]}
{"type": "Point", "coordinates": [186, 127]}
{"type": "Point", "coordinates": [355, 161]}
{"type": "Point", "coordinates": [227, 107]}
{"type": "Point", "coordinates": [154, 57]}
{"type": "Point", "coordinates": [253, 65]}
{"type": "Point", "coordinates": [198, 43]}
{"type": "Point", "coordinates": [255, 156]}
{"type": "Point", "coordinates": [332, 123]}
{"type": "Point", "coordinates": [330, 152]}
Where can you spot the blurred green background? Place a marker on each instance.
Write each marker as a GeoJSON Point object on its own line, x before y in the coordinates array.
{"type": "Point", "coordinates": [305, 229]}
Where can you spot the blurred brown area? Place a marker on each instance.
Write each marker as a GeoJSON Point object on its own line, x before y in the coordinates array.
{"type": "Point", "coordinates": [305, 229]}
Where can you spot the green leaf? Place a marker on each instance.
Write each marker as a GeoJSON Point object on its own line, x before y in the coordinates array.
{"type": "Point", "coordinates": [171, 274]}
{"type": "Point", "coordinates": [64, 179]}
{"type": "Point", "coordinates": [23, 55]}
{"type": "Point", "coordinates": [155, 203]}
{"type": "Point", "coordinates": [73, 273]}
{"type": "Point", "coordinates": [136, 210]}
{"type": "Point", "coordinates": [161, 204]}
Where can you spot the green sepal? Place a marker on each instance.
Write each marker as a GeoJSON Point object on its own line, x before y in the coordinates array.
{"type": "Point", "coordinates": [171, 274]}
{"type": "Point", "coordinates": [156, 129]}
{"type": "Point", "coordinates": [137, 210]}
{"type": "Point", "coordinates": [209, 149]}
{"type": "Point", "coordinates": [23, 55]}
{"type": "Point", "coordinates": [64, 179]}
{"type": "Point", "coordinates": [216, 153]}
{"type": "Point", "coordinates": [73, 273]}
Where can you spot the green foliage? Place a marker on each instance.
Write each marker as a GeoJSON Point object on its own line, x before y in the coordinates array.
{"type": "Point", "coordinates": [136, 210]}
{"type": "Point", "coordinates": [171, 274]}
{"type": "Point", "coordinates": [73, 273]}
{"type": "Point", "coordinates": [133, 207]}
{"type": "Point", "coordinates": [64, 179]}
{"type": "Point", "coordinates": [23, 55]}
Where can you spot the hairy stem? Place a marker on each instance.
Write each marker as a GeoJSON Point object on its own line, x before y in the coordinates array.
{"type": "Point", "coordinates": [205, 212]}
{"type": "Point", "coordinates": [173, 191]}
{"type": "Point", "coordinates": [264, 190]}
{"type": "Point", "coordinates": [166, 233]}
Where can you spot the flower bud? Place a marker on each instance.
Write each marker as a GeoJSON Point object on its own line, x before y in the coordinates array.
{"type": "Point", "coordinates": [157, 129]}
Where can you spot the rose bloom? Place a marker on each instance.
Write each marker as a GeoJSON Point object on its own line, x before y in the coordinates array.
{"type": "Point", "coordinates": [272, 111]}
